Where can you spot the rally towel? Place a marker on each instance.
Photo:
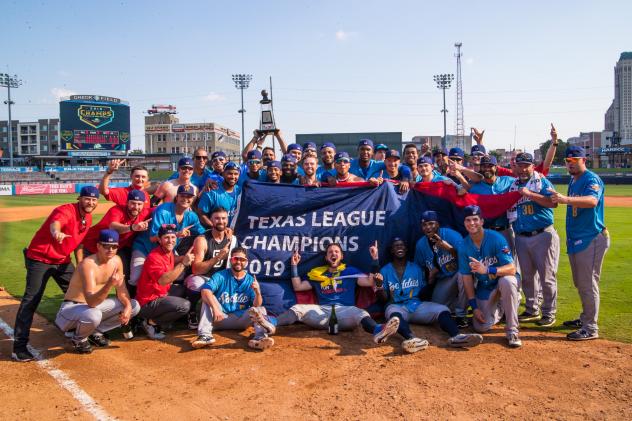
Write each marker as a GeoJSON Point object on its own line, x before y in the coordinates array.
{"type": "Point", "coordinates": [534, 184]}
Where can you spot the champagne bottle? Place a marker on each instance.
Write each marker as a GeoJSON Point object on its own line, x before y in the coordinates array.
{"type": "Point", "coordinates": [333, 321]}
{"type": "Point", "coordinates": [127, 331]}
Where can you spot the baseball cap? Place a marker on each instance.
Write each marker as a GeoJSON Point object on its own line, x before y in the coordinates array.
{"type": "Point", "coordinates": [274, 164]}
{"type": "Point", "coordinates": [108, 237]}
{"type": "Point", "coordinates": [471, 210]}
{"type": "Point", "coordinates": [478, 150]}
{"type": "Point", "coordinates": [429, 215]}
{"type": "Point", "coordinates": [442, 151]}
{"type": "Point", "coordinates": [288, 158]}
{"type": "Point", "coordinates": [365, 142]}
{"type": "Point", "coordinates": [218, 154]}
{"type": "Point", "coordinates": [231, 166]}
{"type": "Point", "coordinates": [294, 147]}
{"type": "Point", "coordinates": [456, 152]}
{"type": "Point", "coordinates": [524, 158]}
{"type": "Point", "coordinates": [185, 162]}
{"type": "Point", "coordinates": [309, 145]}
{"type": "Point", "coordinates": [328, 145]}
{"type": "Point", "coordinates": [342, 156]}
{"type": "Point", "coordinates": [253, 154]}
{"type": "Point", "coordinates": [392, 153]}
{"type": "Point", "coordinates": [90, 191]}
{"type": "Point", "coordinates": [575, 151]}
{"type": "Point", "coordinates": [136, 195]}
{"type": "Point", "coordinates": [424, 160]}
{"type": "Point", "coordinates": [167, 229]}
{"type": "Point", "coordinates": [186, 189]}
{"type": "Point", "coordinates": [489, 160]}
{"type": "Point", "coordinates": [396, 239]}
{"type": "Point", "coordinates": [381, 147]}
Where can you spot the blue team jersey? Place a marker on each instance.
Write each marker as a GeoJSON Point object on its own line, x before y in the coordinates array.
{"type": "Point", "coordinates": [321, 170]}
{"type": "Point", "coordinates": [166, 214]}
{"type": "Point", "coordinates": [243, 177]}
{"type": "Point", "coordinates": [532, 216]}
{"type": "Point", "coordinates": [339, 289]}
{"type": "Point", "coordinates": [373, 170]}
{"type": "Point", "coordinates": [404, 291]}
{"type": "Point", "coordinates": [403, 173]}
{"type": "Point", "coordinates": [494, 251]}
{"type": "Point", "coordinates": [436, 177]}
{"type": "Point", "coordinates": [199, 181]}
{"type": "Point", "coordinates": [234, 295]}
{"type": "Point", "coordinates": [220, 198]}
{"type": "Point", "coordinates": [584, 224]}
{"type": "Point", "coordinates": [447, 264]}
{"type": "Point", "coordinates": [500, 185]}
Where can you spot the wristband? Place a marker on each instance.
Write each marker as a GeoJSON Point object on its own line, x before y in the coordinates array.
{"type": "Point", "coordinates": [472, 303]}
{"type": "Point", "coordinates": [294, 270]}
{"type": "Point", "coordinates": [492, 270]}
{"type": "Point", "coordinates": [131, 227]}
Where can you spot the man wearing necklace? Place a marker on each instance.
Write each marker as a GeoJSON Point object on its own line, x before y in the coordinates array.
{"type": "Point", "coordinates": [49, 255]}
{"type": "Point", "coordinates": [342, 163]}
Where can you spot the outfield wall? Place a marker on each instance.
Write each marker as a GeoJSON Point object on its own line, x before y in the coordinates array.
{"type": "Point", "coordinates": [21, 189]}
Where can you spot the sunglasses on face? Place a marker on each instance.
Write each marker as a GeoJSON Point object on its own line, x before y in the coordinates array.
{"type": "Point", "coordinates": [186, 168]}
{"type": "Point", "coordinates": [169, 226]}
{"type": "Point", "coordinates": [110, 246]}
{"type": "Point", "coordinates": [218, 160]}
{"type": "Point", "coordinates": [201, 158]}
{"type": "Point", "coordinates": [254, 162]}
{"type": "Point", "coordinates": [238, 259]}
{"type": "Point", "coordinates": [342, 161]}
{"type": "Point", "coordinates": [573, 160]}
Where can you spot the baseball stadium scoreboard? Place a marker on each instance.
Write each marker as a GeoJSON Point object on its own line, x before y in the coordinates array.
{"type": "Point", "coordinates": [94, 123]}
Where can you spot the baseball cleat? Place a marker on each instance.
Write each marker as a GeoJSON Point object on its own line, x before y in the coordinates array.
{"type": "Point", "coordinates": [192, 321]}
{"type": "Point", "coordinates": [261, 343]}
{"type": "Point", "coordinates": [582, 335]}
{"type": "Point", "coordinates": [575, 324]}
{"type": "Point", "coordinates": [546, 321]}
{"type": "Point", "coordinates": [258, 316]}
{"type": "Point", "coordinates": [386, 330]}
{"type": "Point", "coordinates": [153, 331]}
{"type": "Point", "coordinates": [514, 340]}
{"type": "Point", "coordinates": [22, 356]}
{"type": "Point", "coordinates": [525, 316]}
{"type": "Point", "coordinates": [461, 322]}
{"type": "Point", "coordinates": [413, 345]}
{"type": "Point", "coordinates": [465, 340]}
{"type": "Point", "coordinates": [202, 340]}
{"type": "Point", "coordinates": [99, 339]}
{"type": "Point", "coordinates": [82, 346]}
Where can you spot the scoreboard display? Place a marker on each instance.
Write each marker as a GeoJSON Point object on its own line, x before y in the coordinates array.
{"type": "Point", "coordinates": [93, 122]}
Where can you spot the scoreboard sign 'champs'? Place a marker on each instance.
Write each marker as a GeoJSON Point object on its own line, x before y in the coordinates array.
{"type": "Point", "coordinates": [95, 115]}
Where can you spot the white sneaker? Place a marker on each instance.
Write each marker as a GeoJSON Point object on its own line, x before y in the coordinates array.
{"type": "Point", "coordinates": [413, 345]}
{"type": "Point", "coordinates": [203, 340]}
{"type": "Point", "coordinates": [388, 329]}
{"type": "Point", "coordinates": [258, 316]}
{"type": "Point", "coordinates": [153, 331]}
{"type": "Point", "coordinates": [465, 340]}
{"type": "Point", "coordinates": [261, 343]}
{"type": "Point", "coordinates": [514, 340]}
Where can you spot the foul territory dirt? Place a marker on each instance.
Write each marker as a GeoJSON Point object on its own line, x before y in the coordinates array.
{"type": "Point", "coordinates": [310, 375]}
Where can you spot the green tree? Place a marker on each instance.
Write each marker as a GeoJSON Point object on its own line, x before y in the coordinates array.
{"type": "Point", "coordinates": [137, 152]}
{"type": "Point", "coordinates": [560, 153]}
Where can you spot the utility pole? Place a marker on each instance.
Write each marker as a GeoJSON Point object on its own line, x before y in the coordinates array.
{"type": "Point", "coordinates": [443, 82]}
{"type": "Point", "coordinates": [460, 124]}
{"type": "Point", "coordinates": [10, 82]}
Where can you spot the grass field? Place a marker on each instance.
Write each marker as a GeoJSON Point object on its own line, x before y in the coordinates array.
{"type": "Point", "coordinates": [616, 282]}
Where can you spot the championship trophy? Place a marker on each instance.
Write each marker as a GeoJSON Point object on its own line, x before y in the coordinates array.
{"type": "Point", "coordinates": [266, 125]}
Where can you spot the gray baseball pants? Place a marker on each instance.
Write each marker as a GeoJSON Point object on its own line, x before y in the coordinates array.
{"type": "Point", "coordinates": [232, 322]}
{"type": "Point", "coordinates": [505, 299]}
{"type": "Point", "coordinates": [86, 320]}
{"type": "Point", "coordinates": [450, 292]}
{"type": "Point", "coordinates": [539, 257]}
{"type": "Point", "coordinates": [317, 316]}
{"type": "Point", "coordinates": [586, 270]}
{"type": "Point", "coordinates": [425, 314]}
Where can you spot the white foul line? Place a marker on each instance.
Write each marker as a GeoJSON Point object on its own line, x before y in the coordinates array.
{"type": "Point", "coordinates": [64, 380]}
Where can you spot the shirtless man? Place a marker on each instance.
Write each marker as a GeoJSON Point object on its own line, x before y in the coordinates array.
{"type": "Point", "coordinates": [87, 309]}
{"type": "Point", "coordinates": [169, 189]}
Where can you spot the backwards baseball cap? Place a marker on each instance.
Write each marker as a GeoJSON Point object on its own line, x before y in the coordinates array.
{"type": "Point", "coordinates": [89, 191]}
{"type": "Point", "coordinates": [424, 160]}
{"type": "Point", "coordinates": [136, 195]}
{"type": "Point", "coordinates": [185, 162]}
{"type": "Point", "coordinates": [328, 145]}
{"type": "Point", "coordinates": [429, 215]}
{"type": "Point", "coordinates": [478, 150]}
{"type": "Point", "coordinates": [167, 229]}
{"type": "Point", "coordinates": [342, 156]}
{"type": "Point", "coordinates": [524, 158]}
{"type": "Point", "coordinates": [295, 147]}
{"type": "Point", "coordinates": [575, 151]}
{"type": "Point", "coordinates": [218, 154]}
{"type": "Point", "coordinates": [186, 189]}
{"type": "Point", "coordinates": [231, 166]}
{"type": "Point", "coordinates": [274, 164]}
{"type": "Point", "coordinates": [108, 237]}
{"type": "Point", "coordinates": [489, 160]}
{"type": "Point", "coordinates": [309, 145]}
{"type": "Point", "coordinates": [456, 152]}
{"type": "Point", "coordinates": [442, 151]}
{"type": "Point", "coordinates": [392, 153]}
{"type": "Point", "coordinates": [288, 158]}
{"type": "Point", "coordinates": [471, 210]}
{"type": "Point", "coordinates": [381, 147]}
{"type": "Point", "coordinates": [253, 154]}
{"type": "Point", "coordinates": [365, 142]}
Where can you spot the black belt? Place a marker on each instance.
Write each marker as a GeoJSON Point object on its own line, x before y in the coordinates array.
{"type": "Point", "coordinates": [532, 233]}
{"type": "Point", "coordinates": [499, 228]}
{"type": "Point", "coordinates": [71, 301]}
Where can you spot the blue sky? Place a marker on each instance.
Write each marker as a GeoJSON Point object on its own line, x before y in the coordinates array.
{"type": "Point", "coordinates": [337, 66]}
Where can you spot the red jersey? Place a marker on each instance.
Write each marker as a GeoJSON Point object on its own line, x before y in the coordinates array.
{"type": "Point", "coordinates": [500, 171]}
{"type": "Point", "coordinates": [114, 214]}
{"type": "Point", "coordinates": [45, 248]}
{"type": "Point", "coordinates": [118, 195]}
{"type": "Point", "coordinates": [157, 263]}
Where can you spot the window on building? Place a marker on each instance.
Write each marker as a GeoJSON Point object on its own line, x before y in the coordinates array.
{"type": "Point", "coordinates": [43, 128]}
{"type": "Point", "coordinates": [54, 127]}
{"type": "Point", "coordinates": [43, 138]}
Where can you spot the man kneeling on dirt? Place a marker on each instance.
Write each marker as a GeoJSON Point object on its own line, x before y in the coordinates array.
{"type": "Point", "coordinates": [232, 300]}
{"type": "Point", "coordinates": [86, 308]}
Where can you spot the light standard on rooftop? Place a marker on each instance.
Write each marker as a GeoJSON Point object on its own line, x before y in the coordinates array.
{"type": "Point", "coordinates": [9, 82]}
{"type": "Point", "coordinates": [443, 82]}
{"type": "Point", "coordinates": [242, 82]}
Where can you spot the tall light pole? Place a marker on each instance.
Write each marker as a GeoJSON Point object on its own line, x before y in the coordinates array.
{"type": "Point", "coordinates": [242, 82]}
{"type": "Point", "coordinates": [443, 82]}
{"type": "Point", "coordinates": [10, 82]}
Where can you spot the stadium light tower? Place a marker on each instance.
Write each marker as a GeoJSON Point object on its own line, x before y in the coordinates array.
{"type": "Point", "coordinates": [242, 81]}
{"type": "Point", "coordinates": [9, 82]}
{"type": "Point", "coordinates": [443, 82]}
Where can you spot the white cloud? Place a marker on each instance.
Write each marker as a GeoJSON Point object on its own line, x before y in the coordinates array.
{"type": "Point", "coordinates": [342, 35]}
{"type": "Point", "coordinates": [58, 93]}
{"type": "Point", "coordinates": [214, 97]}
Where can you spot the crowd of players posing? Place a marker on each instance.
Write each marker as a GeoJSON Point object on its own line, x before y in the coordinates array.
{"type": "Point", "coordinates": [163, 259]}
